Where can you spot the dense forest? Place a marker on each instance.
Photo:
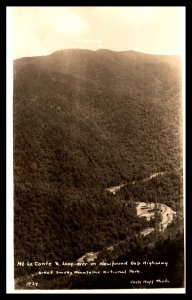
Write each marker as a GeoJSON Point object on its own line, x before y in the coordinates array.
{"type": "Point", "coordinates": [85, 121]}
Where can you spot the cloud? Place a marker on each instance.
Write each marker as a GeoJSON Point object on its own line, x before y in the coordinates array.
{"type": "Point", "coordinates": [41, 29]}
{"type": "Point", "coordinates": [90, 43]}
{"type": "Point", "coordinates": [128, 16]}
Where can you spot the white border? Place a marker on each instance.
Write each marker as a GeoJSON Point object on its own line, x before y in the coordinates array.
{"type": "Point", "coordinates": [107, 291]}
{"type": "Point", "coordinates": [9, 156]}
{"type": "Point", "coordinates": [10, 184]}
{"type": "Point", "coordinates": [184, 131]}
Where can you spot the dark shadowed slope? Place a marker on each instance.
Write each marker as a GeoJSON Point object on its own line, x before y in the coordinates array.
{"type": "Point", "coordinates": [111, 114]}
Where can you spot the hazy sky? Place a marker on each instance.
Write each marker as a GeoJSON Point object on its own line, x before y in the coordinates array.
{"type": "Point", "coordinates": [43, 30]}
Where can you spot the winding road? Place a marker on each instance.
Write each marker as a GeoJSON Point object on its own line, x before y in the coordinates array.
{"type": "Point", "coordinates": [115, 189]}
{"type": "Point", "coordinates": [144, 209]}
{"type": "Point", "coordinates": [147, 210]}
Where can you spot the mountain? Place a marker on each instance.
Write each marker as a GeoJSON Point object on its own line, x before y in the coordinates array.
{"type": "Point", "coordinates": [111, 114]}
{"type": "Point", "coordinates": [84, 121]}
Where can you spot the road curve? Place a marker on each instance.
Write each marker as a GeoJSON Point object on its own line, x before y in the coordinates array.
{"type": "Point", "coordinates": [146, 210]}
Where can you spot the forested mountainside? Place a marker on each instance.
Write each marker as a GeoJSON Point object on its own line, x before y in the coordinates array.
{"type": "Point", "coordinates": [85, 121]}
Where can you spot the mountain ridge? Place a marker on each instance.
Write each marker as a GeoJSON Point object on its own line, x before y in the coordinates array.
{"type": "Point", "coordinates": [100, 50]}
